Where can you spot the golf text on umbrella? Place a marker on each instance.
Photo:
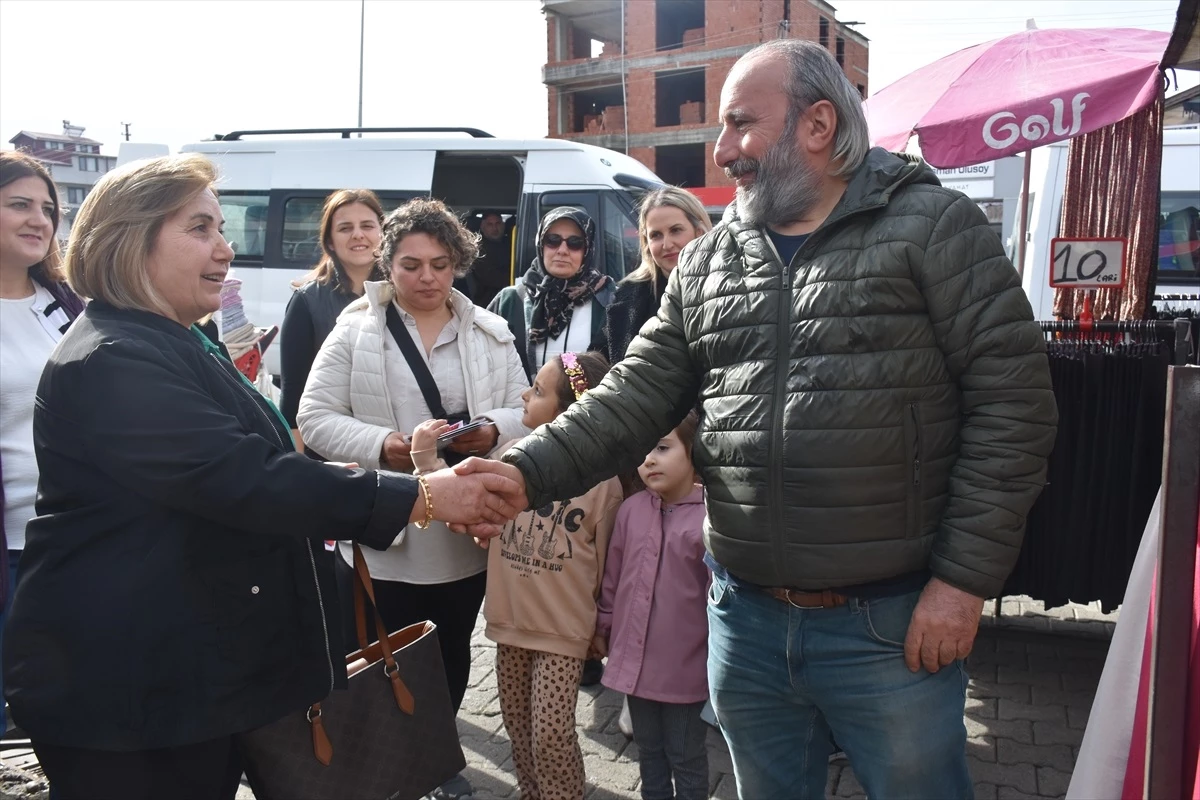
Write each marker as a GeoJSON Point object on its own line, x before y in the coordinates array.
{"type": "Point", "coordinates": [1035, 126]}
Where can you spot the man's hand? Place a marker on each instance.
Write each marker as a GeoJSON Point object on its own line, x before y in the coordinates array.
{"type": "Point", "coordinates": [481, 467]}
{"type": "Point", "coordinates": [942, 628]}
{"type": "Point", "coordinates": [474, 501]}
{"type": "Point", "coordinates": [476, 443]}
{"type": "Point", "coordinates": [394, 454]}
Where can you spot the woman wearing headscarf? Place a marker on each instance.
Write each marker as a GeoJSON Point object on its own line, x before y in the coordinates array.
{"type": "Point", "coordinates": [559, 305]}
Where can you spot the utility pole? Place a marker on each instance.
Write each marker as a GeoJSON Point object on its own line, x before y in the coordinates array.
{"type": "Point", "coordinates": [126, 126]}
{"type": "Point", "coordinates": [362, 27]}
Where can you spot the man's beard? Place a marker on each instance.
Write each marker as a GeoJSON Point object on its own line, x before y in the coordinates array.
{"type": "Point", "coordinates": [786, 187]}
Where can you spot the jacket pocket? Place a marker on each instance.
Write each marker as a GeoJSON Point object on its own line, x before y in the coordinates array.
{"type": "Point", "coordinates": [257, 610]}
{"type": "Point", "coordinates": [912, 453]}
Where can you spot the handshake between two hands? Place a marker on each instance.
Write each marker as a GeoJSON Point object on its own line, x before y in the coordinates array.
{"type": "Point", "coordinates": [477, 496]}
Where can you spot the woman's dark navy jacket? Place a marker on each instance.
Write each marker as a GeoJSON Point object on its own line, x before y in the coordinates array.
{"type": "Point", "coordinates": [174, 586]}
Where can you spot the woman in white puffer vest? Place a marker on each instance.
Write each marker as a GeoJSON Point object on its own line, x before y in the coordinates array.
{"type": "Point", "coordinates": [412, 349]}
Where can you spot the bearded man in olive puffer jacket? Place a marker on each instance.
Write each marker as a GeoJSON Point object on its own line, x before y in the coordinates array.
{"type": "Point", "coordinates": [877, 414]}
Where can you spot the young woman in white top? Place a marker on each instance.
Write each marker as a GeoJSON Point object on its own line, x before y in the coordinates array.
{"type": "Point", "coordinates": [36, 307]}
{"type": "Point", "coordinates": [363, 400]}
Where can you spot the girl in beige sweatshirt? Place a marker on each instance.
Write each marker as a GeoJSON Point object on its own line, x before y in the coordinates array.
{"type": "Point", "coordinates": [544, 576]}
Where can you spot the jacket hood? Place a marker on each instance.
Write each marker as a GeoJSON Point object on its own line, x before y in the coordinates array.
{"type": "Point", "coordinates": [580, 218]}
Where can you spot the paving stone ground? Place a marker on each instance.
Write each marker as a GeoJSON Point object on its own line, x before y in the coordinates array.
{"type": "Point", "coordinates": [1033, 677]}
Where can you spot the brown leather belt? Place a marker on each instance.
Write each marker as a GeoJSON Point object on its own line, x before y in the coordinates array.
{"type": "Point", "coordinates": [799, 599]}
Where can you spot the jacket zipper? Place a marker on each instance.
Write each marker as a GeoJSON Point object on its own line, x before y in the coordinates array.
{"type": "Point", "coordinates": [781, 373]}
{"type": "Point", "coordinates": [775, 453]}
{"type": "Point", "coordinates": [307, 544]}
{"type": "Point", "coordinates": [916, 464]}
{"type": "Point", "coordinates": [914, 493]}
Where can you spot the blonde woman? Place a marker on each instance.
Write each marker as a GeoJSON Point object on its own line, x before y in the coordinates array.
{"type": "Point", "coordinates": [670, 218]}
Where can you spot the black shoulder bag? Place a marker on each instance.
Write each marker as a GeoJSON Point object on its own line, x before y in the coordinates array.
{"type": "Point", "coordinates": [420, 370]}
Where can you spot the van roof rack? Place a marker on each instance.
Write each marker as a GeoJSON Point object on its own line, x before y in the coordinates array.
{"type": "Point", "coordinates": [345, 132]}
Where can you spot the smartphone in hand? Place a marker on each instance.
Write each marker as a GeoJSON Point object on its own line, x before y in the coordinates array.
{"type": "Point", "coordinates": [461, 428]}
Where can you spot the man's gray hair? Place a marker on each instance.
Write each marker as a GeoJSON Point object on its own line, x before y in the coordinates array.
{"type": "Point", "coordinates": [813, 75]}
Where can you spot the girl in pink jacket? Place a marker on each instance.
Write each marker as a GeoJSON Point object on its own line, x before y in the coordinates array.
{"type": "Point", "coordinates": [651, 619]}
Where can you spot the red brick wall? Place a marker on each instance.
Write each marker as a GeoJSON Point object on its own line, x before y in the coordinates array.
{"type": "Point", "coordinates": [639, 100]}
{"type": "Point", "coordinates": [728, 23]}
{"type": "Point", "coordinates": [640, 28]}
{"type": "Point", "coordinates": [713, 175]}
{"type": "Point", "coordinates": [714, 79]}
{"type": "Point", "coordinates": [551, 33]}
{"type": "Point", "coordinates": [856, 56]}
{"type": "Point", "coordinates": [806, 24]}
{"type": "Point", "coordinates": [644, 155]}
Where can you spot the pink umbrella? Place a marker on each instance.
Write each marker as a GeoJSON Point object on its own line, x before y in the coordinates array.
{"type": "Point", "coordinates": [1012, 94]}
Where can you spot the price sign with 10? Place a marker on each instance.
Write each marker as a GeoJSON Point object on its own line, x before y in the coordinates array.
{"type": "Point", "coordinates": [1087, 263]}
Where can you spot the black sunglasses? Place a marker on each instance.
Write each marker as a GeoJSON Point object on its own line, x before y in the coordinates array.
{"type": "Point", "coordinates": [553, 240]}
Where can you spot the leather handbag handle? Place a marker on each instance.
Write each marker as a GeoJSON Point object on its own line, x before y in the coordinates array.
{"type": "Point", "coordinates": [322, 746]}
{"type": "Point", "coordinates": [363, 583]}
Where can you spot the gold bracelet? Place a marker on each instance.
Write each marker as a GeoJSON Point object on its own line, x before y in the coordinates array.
{"type": "Point", "coordinates": [428, 495]}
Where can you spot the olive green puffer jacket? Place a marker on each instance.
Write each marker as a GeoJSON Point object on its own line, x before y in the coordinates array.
{"type": "Point", "coordinates": [880, 405]}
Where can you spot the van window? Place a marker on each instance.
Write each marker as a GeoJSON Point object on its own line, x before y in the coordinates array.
{"type": "Point", "coordinates": [302, 229]}
{"type": "Point", "coordinates": [621, 245]}
{"type": "Point", "coordinates": [1178, 237]}
{"type": "Point", "coordinates": [245, 223]}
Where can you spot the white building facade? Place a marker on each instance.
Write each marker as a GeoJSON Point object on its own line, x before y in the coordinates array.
{"type": "Point", "coordinates": [74, 162]}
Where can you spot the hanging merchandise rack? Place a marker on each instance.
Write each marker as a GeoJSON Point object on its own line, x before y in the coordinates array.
{"type": "Point", "coordinates": [1181, 347]}
{"type": "Point", "coordinates": [1110, 380]}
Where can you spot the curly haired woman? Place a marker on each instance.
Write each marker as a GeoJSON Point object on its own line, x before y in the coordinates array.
{"type": "Point", "coordinates": [364, 398]}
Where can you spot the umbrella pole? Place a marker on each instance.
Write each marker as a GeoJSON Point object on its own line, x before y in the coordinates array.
{"type": "Point", "coordinates": [1023, 223]}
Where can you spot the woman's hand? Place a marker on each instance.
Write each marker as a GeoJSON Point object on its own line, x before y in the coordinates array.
{"type": "Point", "coordinates": [476, 443]}
{"type": "Point", "coordinates": [424, 436]}
{"type": "Point", "coordinates": [395, 453]}
{"type": "Point", "coordinates": [478, 503]}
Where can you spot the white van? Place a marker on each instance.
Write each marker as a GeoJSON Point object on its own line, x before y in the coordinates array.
{"type": "Point", "coordinates": [1178, 268]}
{"type": "Point", "coordinates": [274, 182]}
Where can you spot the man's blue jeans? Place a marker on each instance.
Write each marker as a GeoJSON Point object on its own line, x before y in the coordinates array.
{"type": "Point", "coordinates": [782, 679]}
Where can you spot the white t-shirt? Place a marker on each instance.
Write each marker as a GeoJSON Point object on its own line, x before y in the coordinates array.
{"type": "Point", "coordinates": [575, 338]}
{"type": "Point", "coordinates": [27, 337]}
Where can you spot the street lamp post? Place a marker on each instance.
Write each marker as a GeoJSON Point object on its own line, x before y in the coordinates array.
{"type": "Point", "coordinates": [362, 27]}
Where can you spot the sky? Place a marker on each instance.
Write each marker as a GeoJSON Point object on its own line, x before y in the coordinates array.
{"type": "Point", "coordinates": [182, 70]}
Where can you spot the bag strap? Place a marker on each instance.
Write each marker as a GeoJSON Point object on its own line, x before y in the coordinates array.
{"type": "Point", "coordinates": [322, 747]}
{"type": "Point", "coordinates": [420, 369]}
{"type": "Point", "coordinates": [362, 583]}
